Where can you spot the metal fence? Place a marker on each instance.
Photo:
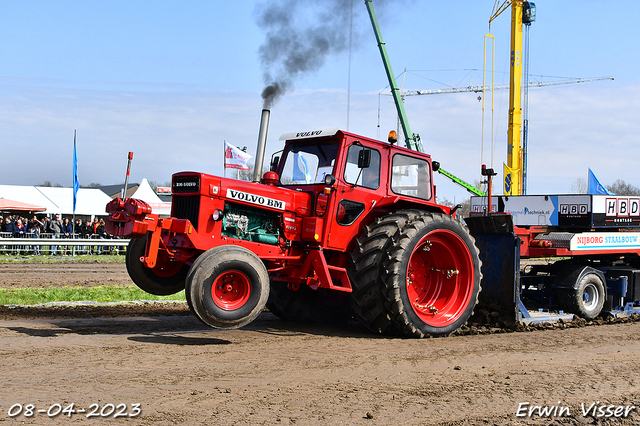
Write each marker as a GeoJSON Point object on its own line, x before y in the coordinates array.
{"type": "Point", "coordinates": [46, 244]}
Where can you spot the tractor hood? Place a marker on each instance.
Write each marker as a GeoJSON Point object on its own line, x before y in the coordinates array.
{"type": "Point", "coordinates": [248, 193]}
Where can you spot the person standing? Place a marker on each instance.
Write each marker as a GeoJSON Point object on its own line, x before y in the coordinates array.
{"type": "Point", "coordinates": [67, 232]}
{"type": "Point", "coordinates": [100, 231]}
{"type": "Point", "coordinates": [77, 228]}
{"type": "Point", "coordinates": [55, 227]}
{"type": "Point", "coordinates": [77, 233]}
{"type": "Point", "coordinates": [34, 232]}
{"type": "Point", "coordinates": [8, 228]}
{"type": "Point", "coordinates": [20, 232]}
{"type": "Point", "coordinates": [67, 228]}
{"type": "Point", "coordinates": [87, 231]}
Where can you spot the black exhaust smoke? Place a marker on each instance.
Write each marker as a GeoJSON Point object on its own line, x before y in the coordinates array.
{"type": "Point", "coordinates": [301, 34]}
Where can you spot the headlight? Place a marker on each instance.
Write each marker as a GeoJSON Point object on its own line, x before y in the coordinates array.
{"type": "Point", "coordinates": [329, 179]}
{"type": "Point", "coordinates": [217, 215]}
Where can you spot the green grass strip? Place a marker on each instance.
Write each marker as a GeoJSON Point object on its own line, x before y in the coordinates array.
{"type": "Point", "coordinates": [99, 294]}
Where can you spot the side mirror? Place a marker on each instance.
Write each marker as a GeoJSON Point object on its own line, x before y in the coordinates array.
{"type": "Point", "coordinates": [274, 163]}
{"type": "Point", "coordinates": [364, 158]}
{"type": "Point", "coordinates": [435, 165]}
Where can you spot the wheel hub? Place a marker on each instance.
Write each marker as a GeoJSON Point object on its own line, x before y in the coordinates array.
{"type": "Point", "coordinates": [231, 290]}
{"type": "Point", "coordinates": [590, 297]}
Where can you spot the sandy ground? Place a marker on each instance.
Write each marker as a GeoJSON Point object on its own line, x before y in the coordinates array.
{"type": "Point", "coordinates": [68, 273]}
{"type": "Point", "coordinates": [273, 372]}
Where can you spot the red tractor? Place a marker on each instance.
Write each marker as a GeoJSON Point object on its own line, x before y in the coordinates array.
{"type": "Point", "coordinates": [342, 226]}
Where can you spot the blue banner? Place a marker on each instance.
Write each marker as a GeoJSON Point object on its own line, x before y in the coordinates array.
{"type": "Point", "coordinates": [595, 187]}
{"type": "Point", "coordinates": [76, 184]}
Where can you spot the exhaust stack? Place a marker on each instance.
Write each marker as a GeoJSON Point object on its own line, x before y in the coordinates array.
{"type": "Point", "coordinates": [262, 145]}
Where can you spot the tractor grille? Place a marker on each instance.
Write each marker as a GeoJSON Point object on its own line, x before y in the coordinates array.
{"type": "Point", "coordinates": [187, 208]}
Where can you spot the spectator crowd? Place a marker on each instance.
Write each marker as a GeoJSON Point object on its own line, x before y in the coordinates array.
{"type": "Point", "coordinates": [15, 226]}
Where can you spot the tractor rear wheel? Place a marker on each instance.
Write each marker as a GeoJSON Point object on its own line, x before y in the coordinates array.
{"type": "Point", "coordinates": [227, 287]}
{"type": "Point", "coordinates": [167, 277]}
{"type": "Point", "coordinates": [432, 277]}
{"type": "Point", "coordinates": [308, 305]}
{"type": "Point", "coordinates": [365, 274]}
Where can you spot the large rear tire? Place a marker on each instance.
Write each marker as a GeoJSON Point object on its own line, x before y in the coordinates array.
{"type": "Point", "coordinates": [372, 246]}
{"type": "Point", "coordinates": [432, 277]}
{"type": "Point", "coordinates": [308, 305]}
{"type": "Point", "coordinates": [167, 277]}
{"type": "Point", "coordinates": [227, 287]}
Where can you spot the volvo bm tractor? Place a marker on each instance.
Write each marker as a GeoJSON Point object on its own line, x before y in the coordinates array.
{"type": "Point", "coordinates": [341, 226]}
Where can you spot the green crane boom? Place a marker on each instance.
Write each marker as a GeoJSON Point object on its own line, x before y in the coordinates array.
{"type": "Point", "coordinates": [411, 139]}
{"type": "Point", "coordinates": [472, 189]}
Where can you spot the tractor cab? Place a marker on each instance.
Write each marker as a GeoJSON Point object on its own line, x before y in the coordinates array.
{"type": "Point", "coordinates": [351, 178]}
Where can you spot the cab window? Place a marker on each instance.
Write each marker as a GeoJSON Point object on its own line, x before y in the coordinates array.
{"type": "Point", "coordinates": [308, 163]}
{"type": "Point", "coordinates": [411, 176]}
{"type": "Point", "coordinates": [369, 177]}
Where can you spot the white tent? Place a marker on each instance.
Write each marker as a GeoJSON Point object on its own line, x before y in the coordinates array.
{"type": "Point", "coordinates": [145, 193]}
{"type": "Point", "coordinates": [90, 201]}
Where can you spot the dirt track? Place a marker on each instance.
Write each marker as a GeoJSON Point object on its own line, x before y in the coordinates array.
{"type": "Point", "coordinates": [273, 372]}
{"type": "Point", "coordinates": [69, 273]}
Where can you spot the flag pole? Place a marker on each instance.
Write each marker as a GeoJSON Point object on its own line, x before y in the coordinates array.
{"type": "Point", "coordinates": [75, 185]}
{"type": "Point", "coordinates": [224, 157]}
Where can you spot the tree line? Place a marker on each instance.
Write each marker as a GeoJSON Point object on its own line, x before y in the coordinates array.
{"type": "Point", "coordinates": [619, 187]}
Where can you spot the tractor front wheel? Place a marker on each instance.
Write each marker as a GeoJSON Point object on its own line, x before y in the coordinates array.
{"type": "Point", "coordinates": [167, 277]}
{"type": "Point", "coordinates": [227, 287]}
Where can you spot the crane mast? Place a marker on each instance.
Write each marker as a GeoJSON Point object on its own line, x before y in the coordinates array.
{"type": "Point", "coordinates": [521, 12]}
{"type": "Point", "coordinates": [525, 112]}
{"type": "Point", "coordinates": [513, 168]}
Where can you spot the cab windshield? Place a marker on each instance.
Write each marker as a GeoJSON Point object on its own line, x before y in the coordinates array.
{"type": "Point", "coordinates": [308, 163]}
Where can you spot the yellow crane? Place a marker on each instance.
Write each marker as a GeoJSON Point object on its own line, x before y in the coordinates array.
{"type": "Point", "coordinates": [521, 12]}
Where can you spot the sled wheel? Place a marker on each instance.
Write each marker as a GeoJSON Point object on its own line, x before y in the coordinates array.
{"type": "Point", "coordinates": [433, 277]}
{"type": "Point", "coordinates": [587, 299]}
{"type": "Point", "coordinates": [167, 277]}
{"type": "Point", "coordinates": [367, 297]}
{"type": "Point", "coordinates": [227, 287]}
{"type": "Point", "coordinates": [308, 305]}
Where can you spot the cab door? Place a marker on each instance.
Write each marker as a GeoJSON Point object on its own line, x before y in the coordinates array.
{"type": "Point", "coordinates": [360, 189]}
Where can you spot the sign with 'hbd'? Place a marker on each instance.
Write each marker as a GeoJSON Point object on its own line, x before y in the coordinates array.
{"type": "Point", "coordinates": [622, 207]}
{"type": "Point", "coordinates": [616, 211]}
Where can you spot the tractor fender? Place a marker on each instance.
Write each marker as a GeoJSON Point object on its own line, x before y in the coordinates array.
{"type": "Point", "coordinates": [569, 276]}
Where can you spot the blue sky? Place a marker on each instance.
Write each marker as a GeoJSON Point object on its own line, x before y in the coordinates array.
{"type": "Point", "coordinates": [172, 80]}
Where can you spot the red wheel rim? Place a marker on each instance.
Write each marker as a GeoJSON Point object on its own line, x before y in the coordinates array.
{"type": "Point", "coordinates": [169, 268]}
{"type": "Point", "coordinates": [440, 278]}
{"type": "Point", "coordinates": [231, 290]}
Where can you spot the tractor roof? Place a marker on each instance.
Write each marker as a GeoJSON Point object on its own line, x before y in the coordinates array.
{"type": "Point", "coordinates": [322, 133]}
{"type": "Point", "coordinates": [309, 134]}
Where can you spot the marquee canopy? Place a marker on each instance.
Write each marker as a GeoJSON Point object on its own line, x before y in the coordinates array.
{"type": "Point", "coordinates": [12, 205]}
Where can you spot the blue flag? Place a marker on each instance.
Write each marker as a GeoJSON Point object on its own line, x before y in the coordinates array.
{"type": "Point", "coordinates": [300, 169]}
{"type": "Point", "coordinates": [76, 184]}
{"type": "Point", "coordinates": [595, 187]}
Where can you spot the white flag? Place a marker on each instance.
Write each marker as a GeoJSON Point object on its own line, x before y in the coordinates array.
{"type": "Point", "coordinates": [235, 158]}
